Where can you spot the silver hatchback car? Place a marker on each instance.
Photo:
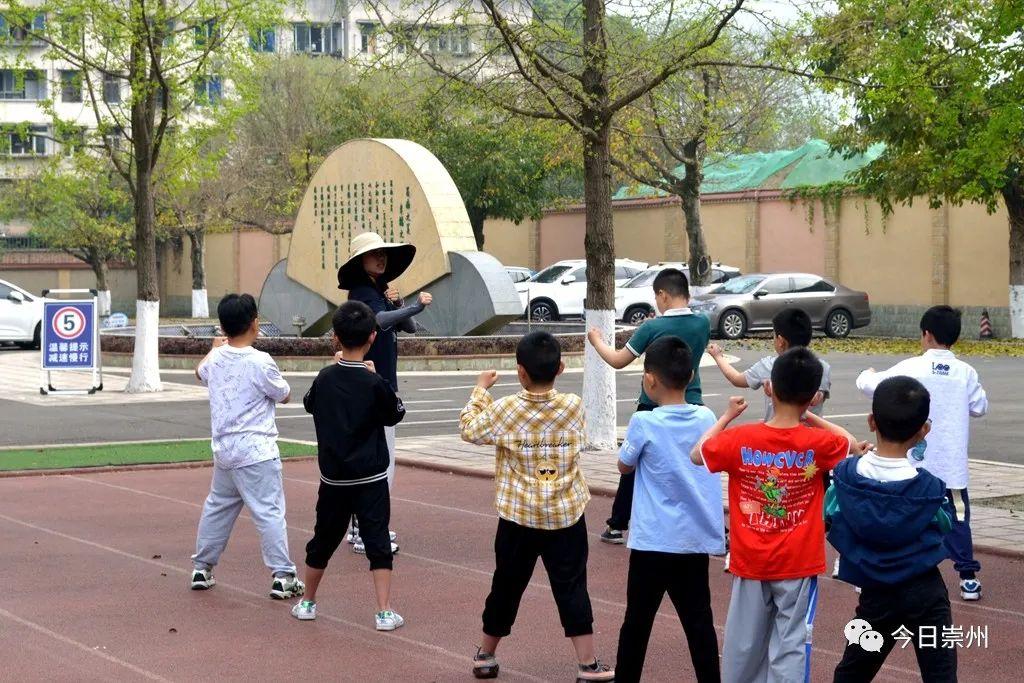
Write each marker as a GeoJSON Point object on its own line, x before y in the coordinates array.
{"type": "Point", "coordinates": [749, 302]}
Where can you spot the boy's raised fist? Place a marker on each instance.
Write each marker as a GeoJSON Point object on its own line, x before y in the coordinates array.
{"type": "Point", "coordinates": [594, 335]}
{"type": "Point", "coordinates": [426, 298]}
{"type": "Point", "coordinates": [737, 404]}
{"type": "Point", "coordinates": [714, 350]}
{"type": "Point", "coordinates": [487, 379]}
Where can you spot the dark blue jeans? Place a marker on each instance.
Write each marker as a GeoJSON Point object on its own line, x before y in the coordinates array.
{"type": "Point", "coordinates": [958, 541]}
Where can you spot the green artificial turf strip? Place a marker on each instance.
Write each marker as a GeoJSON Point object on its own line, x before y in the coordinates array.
{"type": "Point", "coordinates": [123, 454]}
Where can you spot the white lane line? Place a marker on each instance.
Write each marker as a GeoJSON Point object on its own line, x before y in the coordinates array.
{"type": "Point", "coordinates": [421, 558]}
{"type": "Point", "coordinates": [467, 386]}
{"type": "Point", "coordinates": [39, 628]}
{"type": "Point", "coordinates": [460, 658]}
{"type": "Point", "coordinates": [836, 417]}
{"type": "Point", "coordinates": [404, 423]}
{"type": "Point", "coordinates": [299, 406]}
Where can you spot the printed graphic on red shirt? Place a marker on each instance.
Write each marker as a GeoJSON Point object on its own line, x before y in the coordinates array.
{"type": "Point", "coordinates": [775, 497]}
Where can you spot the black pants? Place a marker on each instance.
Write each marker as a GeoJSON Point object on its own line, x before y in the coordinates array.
{"type": "Point", "coordinates": [564, 553]}
{"type": "Point", "coordinates": [335, 505]}
{"type": "Point", "coordinates": [685, 579]}
{"type": "Point", "coordinates": [622, 506]}
{"type": "Point", "coordinates": [921, 601]}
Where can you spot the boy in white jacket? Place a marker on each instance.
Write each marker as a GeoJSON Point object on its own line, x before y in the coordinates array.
{"type": "Point", "coordinates": [956, 396]}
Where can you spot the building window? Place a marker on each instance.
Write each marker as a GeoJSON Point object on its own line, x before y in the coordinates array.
{"type": "Point", "coordinates": [208, 90]}
{"type": "Point", "coordinates": [263, 40]}
{"type": "Point", "coordinates": [72, 139]}
{"type": "Point", "coordinates": [319, 39]}
{"type": "Point", "coordinates": [24, 142]}
{"type": "Point", "coordinates": [70, 86]}
{"type": "Point", "coordinates": [207, 33]}
{"type": "Point", "coordinates": [22, 33]}
{"type": "Point", "coordinates": [453, 42]}
{"type": "Point", "coordinates": [111, 89]}
{"type": "Point", "coordinates": [17, 84]}
{"type": "Point", "coordinates": [114, 138]}
{"type": "Point", "coordinates": [367, 39]}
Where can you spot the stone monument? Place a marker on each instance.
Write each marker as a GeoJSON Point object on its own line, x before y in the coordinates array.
{"type": "Point", "coordinates": [399, 190]}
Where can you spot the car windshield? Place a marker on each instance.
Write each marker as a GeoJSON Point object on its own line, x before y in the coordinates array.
{"type": "Point", "coordinates": [644, 279]}
{"type": "Point", "coordinates": [740, 285]}
{"type": "Point", "coordinates": [550, 274]}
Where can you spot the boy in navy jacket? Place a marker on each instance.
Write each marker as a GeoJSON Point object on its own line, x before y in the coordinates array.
{"type": "Point", "coordinates": [888, 521]}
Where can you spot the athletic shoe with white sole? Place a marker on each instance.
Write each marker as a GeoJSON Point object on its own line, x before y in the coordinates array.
{"type": "Point", "coordinates": [286, 587]}
{"type": "Point", "coordinates": [597, 671]}
{"type": "Point", "coordinates": [970, 589]}
{"type": "Point", "coordinates": [835, 569]}
{"type": "Point", "coordinates": [388, 620]}
{"type": "Point", "coordinates": [304, 610]}
{"type": "Point", "coordinates": [202, 579]}
{"type": "Point", "coordinates": [485, 665]}
{"type": "Point", "coordinates": [725, 567]}
{"type": "Point", "coordinates": [360, 548]}
{"type": "Point", "coordinates": [613, 536]}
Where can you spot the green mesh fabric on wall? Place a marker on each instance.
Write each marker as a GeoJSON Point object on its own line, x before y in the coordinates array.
{"type": "Point", "coordinates": [809, 165]}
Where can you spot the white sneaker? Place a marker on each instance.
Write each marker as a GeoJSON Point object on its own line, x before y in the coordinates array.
{"type": "Point", "coordinates": [835, 569]}
{"type": "Point", "coordinates": [389, 620]}
{"type": "Point", "coordinates": [360, 548]}
{"type": "Point", "coordinates": [304, 610]}
{"type": "Point", "coordinates": [286, 587]}
{"type": "Point", "coordinates": [970, 589]}
{"type": "Point", "coordinates": [202, 579]}
{"type": "Point", "coordinates": [726, 567]}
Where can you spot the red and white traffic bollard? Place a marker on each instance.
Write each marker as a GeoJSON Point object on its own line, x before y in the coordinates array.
{"type": "Point", "coordinates": [986, 326]}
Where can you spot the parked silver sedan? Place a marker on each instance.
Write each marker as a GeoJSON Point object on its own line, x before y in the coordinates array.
{"type": "Point", "coordinates": [749, 302]}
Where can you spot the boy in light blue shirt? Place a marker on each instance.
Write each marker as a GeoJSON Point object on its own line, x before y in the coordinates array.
{"type": "Point", "coordinates": [677, 518]}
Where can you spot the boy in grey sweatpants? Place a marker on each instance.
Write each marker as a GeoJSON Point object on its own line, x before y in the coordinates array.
{"type": "Point", "coordinates": [245, 384]}
{"type": "Point", "coordinates": [776, 523]}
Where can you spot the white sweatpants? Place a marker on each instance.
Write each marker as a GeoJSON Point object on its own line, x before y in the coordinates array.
{"type": "Point", "coordinates": [259, 487]}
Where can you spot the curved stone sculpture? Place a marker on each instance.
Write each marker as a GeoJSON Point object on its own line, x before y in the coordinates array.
{"type": "Point", "coordinates": [399, 190]}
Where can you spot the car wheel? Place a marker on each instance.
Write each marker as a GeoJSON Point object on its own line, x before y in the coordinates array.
{"type": "Point", "coordinates": [34, 344]}
{"type": "Point", "coordinates": [635, 315]}
{"type": "Point", "coordinates": [543, 311]}
{"type": "Point", "coordinates": [838, 324]}
{"type": "Point", "coordinates": [733, 325]}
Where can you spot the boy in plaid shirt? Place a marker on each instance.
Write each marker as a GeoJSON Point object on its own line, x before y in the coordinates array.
{"type": "Point", "coordinates": [540, 497]}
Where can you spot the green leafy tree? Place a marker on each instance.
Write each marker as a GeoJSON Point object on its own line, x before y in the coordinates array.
{"type": "Point", "coordinates": [79, 206]}
{"type": "Point", "coordinates": [941, 84]}
{"type": "Point", "coordinates": [143, 67]}
{"type": "Point", "coordinates": [581, 65]}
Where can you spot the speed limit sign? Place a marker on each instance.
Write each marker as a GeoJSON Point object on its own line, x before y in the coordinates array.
{"type": "Point", "coordinates": [69, 331]}
{"type": "Point", "coordinates": [68, 322]}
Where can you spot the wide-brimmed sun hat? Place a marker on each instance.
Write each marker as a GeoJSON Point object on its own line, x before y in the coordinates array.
{"type": "Point", "coordinates": [399, 258]}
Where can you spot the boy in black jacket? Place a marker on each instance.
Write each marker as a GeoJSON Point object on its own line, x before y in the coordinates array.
{"type": "Point", "coordinates": [351, 405]}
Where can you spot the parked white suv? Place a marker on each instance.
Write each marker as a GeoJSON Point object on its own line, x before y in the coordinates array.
{"type": "Point", "coordinates": [634, 300]}
{"type": "Point", "coordinates": [559, 290]}
{"type": "Point", "coordinates": [21, 316]}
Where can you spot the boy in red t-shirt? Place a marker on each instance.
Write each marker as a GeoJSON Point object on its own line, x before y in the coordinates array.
{"type": "Point", "coordinates": [775, 521]}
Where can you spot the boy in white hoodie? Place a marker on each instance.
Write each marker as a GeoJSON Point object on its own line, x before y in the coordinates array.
{"type": "Point", "coordinates": [956, 396]}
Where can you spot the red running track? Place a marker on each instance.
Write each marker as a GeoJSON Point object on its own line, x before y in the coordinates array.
{"type": "Point", "coordinates": [98, 567]}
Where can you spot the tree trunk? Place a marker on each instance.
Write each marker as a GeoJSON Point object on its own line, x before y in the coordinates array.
{"type": "Point", "coordinates": [145, 375]}
{"type": "Point", "coordinates": [200, 302]}
{"type": "Point", "coordinates": [689, 193]}
{"type": "Point", "coordinates": [599, 242]}
{"type": "Point", "coordinates": [476, 219]}
{"type": "Point", "coordinates": [1013, 195]}
{"type": "Point", "coordinates": [101, 270]}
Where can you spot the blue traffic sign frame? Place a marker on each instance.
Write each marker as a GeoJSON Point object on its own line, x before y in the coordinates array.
{"type": "Point", "coordinates": [70, 339]}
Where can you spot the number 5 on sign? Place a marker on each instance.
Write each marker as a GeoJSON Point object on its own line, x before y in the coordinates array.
{"type": "Point", "coordinates": [70, 339]}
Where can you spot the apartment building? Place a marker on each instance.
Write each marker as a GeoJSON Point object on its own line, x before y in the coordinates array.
{"type": "Point", "coordinates": [328, 28]}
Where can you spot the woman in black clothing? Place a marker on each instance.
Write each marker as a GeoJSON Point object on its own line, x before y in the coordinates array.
{"type": "Point", "coordinates": [372, 266]}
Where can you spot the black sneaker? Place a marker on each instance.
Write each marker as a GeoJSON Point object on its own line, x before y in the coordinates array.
{"type": "Point", "coordinates": [485, 665]}
{"type": "Point", "coordinates": [613, 536]}
{"type": "Point", "coordinates": [595, 672]}
{"type": "Point", "coordinates": [202, 579]}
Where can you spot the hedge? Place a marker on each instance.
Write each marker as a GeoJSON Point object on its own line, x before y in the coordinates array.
{"type": "Point", "coordinates": [319, 346]}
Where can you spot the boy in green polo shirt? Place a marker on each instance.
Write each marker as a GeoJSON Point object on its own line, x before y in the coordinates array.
{"type": "Point", "coordinates": [672, 295]}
